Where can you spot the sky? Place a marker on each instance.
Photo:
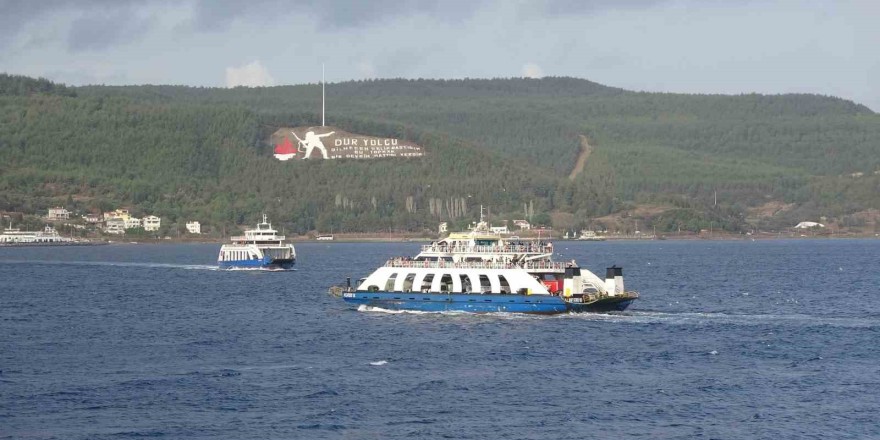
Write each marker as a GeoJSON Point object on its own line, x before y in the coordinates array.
{"type": "Point", "coordinates": [684, 46]}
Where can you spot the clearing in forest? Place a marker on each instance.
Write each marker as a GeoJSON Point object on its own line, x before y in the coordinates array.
{"type": "Point", "coordinates": [586, 149]}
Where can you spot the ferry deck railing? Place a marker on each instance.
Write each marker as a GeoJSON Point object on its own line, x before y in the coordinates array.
{"type": "Point", "coordinates": [268, 238]}
{"type": "Point", "coordinates": [531, 248]}
{"type": "Point", "coordinates": [413, 264]}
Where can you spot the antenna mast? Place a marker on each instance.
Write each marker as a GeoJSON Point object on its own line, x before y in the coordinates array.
{"type": "Point", "coordinates": [322, 95]}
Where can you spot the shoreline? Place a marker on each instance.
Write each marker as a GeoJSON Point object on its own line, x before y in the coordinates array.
{"type": "Point", "coordinates": [409, 239]}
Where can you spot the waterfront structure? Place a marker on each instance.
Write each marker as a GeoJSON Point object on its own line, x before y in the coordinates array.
{"type": "Point", "coordinates": [152, 223]}
{"type": "Point", "coordinates": [114, 226]}
{"type": "Point", "coordinates": [194, 227]}
{"type": "Point", "coordinates": [48, 235]}
{"type": "Point", "coordinates": [522, 225]}
{"type": "Point", "coordinates": [132, 222]}
{"type": "Point", "coordinates": [58, 213]}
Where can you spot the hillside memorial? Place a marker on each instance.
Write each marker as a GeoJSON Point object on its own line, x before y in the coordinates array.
{"type": "Point", "coordinates": [324, 142]}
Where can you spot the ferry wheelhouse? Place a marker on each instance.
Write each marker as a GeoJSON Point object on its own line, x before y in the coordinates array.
{"type": "Point", "coordinates": [260, 248]}
{"type": "Point", "coordinates": [481, 245]}
{"type": "Point", "coordinates": [481, 272]}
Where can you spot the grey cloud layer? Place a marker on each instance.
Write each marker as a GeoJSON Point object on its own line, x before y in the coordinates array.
{"type": "Point", "coordinates": [715, 46]}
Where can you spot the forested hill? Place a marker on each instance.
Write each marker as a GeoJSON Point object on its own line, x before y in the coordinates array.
{"type": "Point", "coordinates": [186, 152]}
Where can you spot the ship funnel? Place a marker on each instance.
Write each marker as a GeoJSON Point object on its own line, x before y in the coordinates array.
{"type": "Point", "coordinates": [614, 281]}
{"type": "Point", "coordinates": [572, 282]}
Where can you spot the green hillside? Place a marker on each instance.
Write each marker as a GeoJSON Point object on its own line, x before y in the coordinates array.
{"type": "Point", "coordinates": [185, 152]}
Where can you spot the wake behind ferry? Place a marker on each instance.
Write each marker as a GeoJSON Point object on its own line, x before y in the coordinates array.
{"type": "Point", "coordinates": [260, 248]}
{"type": "Point", "coordinates": [482, 272]}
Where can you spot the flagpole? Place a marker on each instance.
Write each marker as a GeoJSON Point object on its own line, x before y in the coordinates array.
{"type": "Point", "coordinates": [322, 95]}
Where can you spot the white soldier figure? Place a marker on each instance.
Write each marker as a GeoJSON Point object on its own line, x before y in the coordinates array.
{"type": "Point", "coordinates": [313, 141]}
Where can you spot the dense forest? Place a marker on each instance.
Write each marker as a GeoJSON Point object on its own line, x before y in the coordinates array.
{"type": "Point", "coordinates": [204, 153]}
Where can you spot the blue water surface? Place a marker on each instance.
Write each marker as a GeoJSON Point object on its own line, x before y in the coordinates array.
{"type": "Point", "coordinates": [730, 340]}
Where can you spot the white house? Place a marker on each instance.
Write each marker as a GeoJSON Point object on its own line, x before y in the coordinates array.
{"type": "Point", "coordinates": [522, 224]}
{"type": "Point", "coordinates": [194, 227]}
{"type": "Point", "coordinates": [132, 222]}
{"type": "Point", "coordinates": [808, 225]}
{"type": "Point", "coordinates": [92, 218]}
{"type": "Point", "coordinates": [58, 214]}
{"type": "Point", "coordinates": [152, 223]}
{"type": "Point", "coordinates": [119, 213]}
{"type": "Point", "coordinates": [443, 228]}
{"type": "Point", "coordinates": [114, 226]}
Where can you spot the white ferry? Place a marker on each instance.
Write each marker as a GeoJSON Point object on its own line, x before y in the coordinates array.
{"type": "Point", "coordinates": [481, 287]}
{"type": "Point", "coordinates": [588, 235]}
{"type": "Point", "coordinates": [260, 248]}
{"type": "Point", "coordinates": [15, 236]}
{"type": "Point", "coordinates": [480, 271]}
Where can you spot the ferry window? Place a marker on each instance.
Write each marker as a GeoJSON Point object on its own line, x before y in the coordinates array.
{"type": "Point", "coordinates": [408, 282]}
{"type": "Point", "coordinates": [505, 286]}
{"type": "Point", "coordinates": [465, 283]}
{"type": "Point", "coordinates": [446, 283]}
{"type": "Point", "coordinates": [426, 282]}
{"type": "Point", "coordinates": [485, 285]}
{"type": "Point", "coordinates": [590, 288]}
{"type": "Point", "coordinates": [389, 285]}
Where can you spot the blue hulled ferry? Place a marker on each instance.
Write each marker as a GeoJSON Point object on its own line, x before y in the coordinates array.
{"type": "Point", "coordinates": [260, 248]}
{"type": "Point", "coordinates": [481, 272]}
{"type": "Point", "coordinates": [482, 287]}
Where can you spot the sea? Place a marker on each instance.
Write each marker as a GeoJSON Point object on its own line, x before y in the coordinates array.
{"type": "Point", "coordinates": [730, 340]}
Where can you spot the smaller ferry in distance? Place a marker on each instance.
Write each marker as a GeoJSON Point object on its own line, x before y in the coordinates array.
{"type": "Point", "coordinates": [587, 235]}
{"type": "Point", "coordinates": [47, 237]}
{"type": "Point", "coordinates": [260, 248]}
{"type": "Point", "coordinates": [324, 237]}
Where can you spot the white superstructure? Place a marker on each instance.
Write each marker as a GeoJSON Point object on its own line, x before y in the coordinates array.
{"type": "Point", "coordinates": [47, 235]}
{"type": "Point", "coordinates": [481, 245]}
{"type": "Point", "coordinates": [401, 275]}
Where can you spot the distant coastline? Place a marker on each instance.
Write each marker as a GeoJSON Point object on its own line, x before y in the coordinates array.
{"type": "Point", "coordinates": [404, 238]}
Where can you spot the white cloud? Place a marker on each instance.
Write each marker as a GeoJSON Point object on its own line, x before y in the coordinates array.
{"type": "Point", "coordinates": [249, 75]}
{"type": "Point", "coordinates": [531, 70]}
{"type": "Point", "coordinates": [366, 69]}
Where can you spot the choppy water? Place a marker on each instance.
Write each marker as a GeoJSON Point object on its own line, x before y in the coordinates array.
{"type": "Point", "coordinates": [766, 339]}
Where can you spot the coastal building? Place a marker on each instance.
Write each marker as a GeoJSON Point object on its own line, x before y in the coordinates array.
{"type": "Point", "coordinates": [58, 214]}
{"type": "Point", "coordinates": [443, 228]}
{"type": "Point", "coordinates": [92, 218]}
{"type": "Point", "coordinates": [194, 227]}
{"type": "Point", "coordinates": [114, 226]}
{"type": "Point", "coordinates": [119, 213]}
{"type": "Point", "coordinates": [522, 225]}
{"type": "Point", "coordinates": [132, 222]}
{"type": "Point", "coordinates": [152, 223]}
